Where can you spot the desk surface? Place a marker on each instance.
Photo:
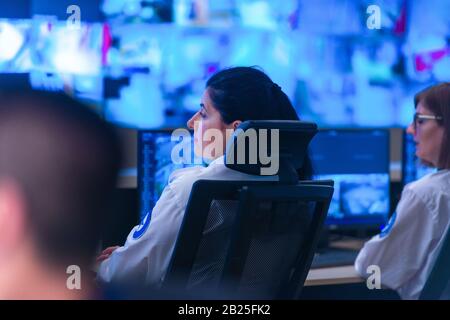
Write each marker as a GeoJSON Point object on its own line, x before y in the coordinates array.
{"type": "Point", "coordinates": [334, 275]}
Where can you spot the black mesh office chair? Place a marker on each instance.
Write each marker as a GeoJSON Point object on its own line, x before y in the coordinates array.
{"type": "Point", "coordinates": [252, 239]}
{"type": "Point", "coordinates": [437, 285]}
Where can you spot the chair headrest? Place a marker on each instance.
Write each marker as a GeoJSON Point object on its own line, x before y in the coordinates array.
{"type": "Point", "coordinates": [270, 147]}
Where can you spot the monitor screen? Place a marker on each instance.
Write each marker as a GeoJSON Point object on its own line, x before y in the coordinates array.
{"type": "Point", "coordinates": [358, 162]}
{"type": "Point", "coordinates": [412, 168]}
{"type": "Point", "coordinates": [68, 50]}
{"type": "Point", "coordinates": [46, 54]}
{"type": "Point", "coordinates": [138, 11]}
{"type": "Point", "coordinates": [156, 163]}
{"type": "Point", "coordinates": [16, 46]}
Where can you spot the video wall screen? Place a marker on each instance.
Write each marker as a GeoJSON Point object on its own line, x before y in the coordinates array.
{"type": "Point", "coordinates": [337, 69]}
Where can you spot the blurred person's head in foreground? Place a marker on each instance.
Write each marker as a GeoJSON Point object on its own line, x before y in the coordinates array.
{"type": "Point", "coordinates": [58, 167]}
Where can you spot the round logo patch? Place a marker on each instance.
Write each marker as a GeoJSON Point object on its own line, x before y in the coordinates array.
{"type": "Point", "coordinates": [139, 232]}
{"type": "Point", "coordinates": [389, 226]}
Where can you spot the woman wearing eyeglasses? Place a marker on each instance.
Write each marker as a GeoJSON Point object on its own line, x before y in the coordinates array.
{"type": "Point", "coordinates": [407, 247]}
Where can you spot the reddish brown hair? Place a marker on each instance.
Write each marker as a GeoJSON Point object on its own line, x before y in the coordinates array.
{"type": "Point", "coordinates": [437, 99]}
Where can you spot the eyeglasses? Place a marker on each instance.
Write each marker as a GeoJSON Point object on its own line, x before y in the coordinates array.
{"type": "Point", "coordinates": [421, 118]}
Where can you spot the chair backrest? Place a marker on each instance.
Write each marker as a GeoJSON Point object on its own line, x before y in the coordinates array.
{"type": "Point", "coordinates": [248, 239]}
{"type": "Point", "coordinates": [437, 285]}
{"type": "Point", "coordinates": [286, 141]}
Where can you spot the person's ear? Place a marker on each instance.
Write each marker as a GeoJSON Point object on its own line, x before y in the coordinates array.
{"type": "Point", "coordinates": [236, 124]}
{"type": "Point", "coordinates": [12, 218]}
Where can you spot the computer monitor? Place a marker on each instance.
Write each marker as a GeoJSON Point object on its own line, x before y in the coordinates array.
{"type": "Point", "coordinates": [358, 162]}
{"type": "Point", "coordinates": [412, 168]}
{"type": "Point", "coordinates": [155, 164]}
{"type": "Point", "coordinates": [59, 48]}
{"type": "Point", "coordinates": [16, 45]}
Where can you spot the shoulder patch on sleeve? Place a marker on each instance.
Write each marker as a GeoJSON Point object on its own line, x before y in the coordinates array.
{"type": "Point", "coordinates": [387, 228]}
{"type": "Point", "coordinates": [139, 232]}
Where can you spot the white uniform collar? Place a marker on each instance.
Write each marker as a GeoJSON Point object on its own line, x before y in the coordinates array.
{"type": "Point", "coordinates": [220, 160]}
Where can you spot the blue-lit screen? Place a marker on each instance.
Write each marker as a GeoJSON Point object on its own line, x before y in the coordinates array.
{"type": "Point", "coordinates": [15, 46]}
{"type": "Point", "coordinates": [412, 168]}
{"type": "Point", "coordinates": [358, 162]}
{"type": "Point", "coordinates": [336, 71]}
{"type": "Point", "coordinates": [68, 59]}
{"type": "Point", "coordinates": [155, 165]}
{"type": "Point", "coordinates": [53, 56]}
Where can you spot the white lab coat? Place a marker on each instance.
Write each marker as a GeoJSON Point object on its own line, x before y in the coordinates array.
{"type": "Point", "coordinates": [405, 251]}
{"type": "Point", "coordinates": [147, 251]}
